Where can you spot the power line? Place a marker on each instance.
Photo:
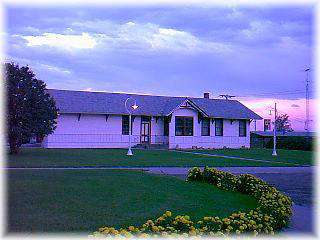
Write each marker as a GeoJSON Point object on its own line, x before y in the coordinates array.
{"type": "Point", "coordinates": [272, 94]}
{"type": "Point", "coordinates": [301, 120]}
{"type": "Point", "coordinates": [281, 112]}
{"type": "Point", "coordinates": [287, 92]}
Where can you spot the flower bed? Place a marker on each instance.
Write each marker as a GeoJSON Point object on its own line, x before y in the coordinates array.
{"type": "Point", "coordinates": [272, 214]}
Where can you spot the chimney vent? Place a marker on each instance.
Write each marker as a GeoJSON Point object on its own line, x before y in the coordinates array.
{"type": "Point", "coordinates": [206, 95]}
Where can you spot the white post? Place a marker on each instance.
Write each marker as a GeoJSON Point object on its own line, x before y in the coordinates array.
{"type": "Point", "coordinates": [133, 107]}
{"type": "Point", "coordinates": [129, 150]}
{"type": "Point", "coordinates": [274, 153]}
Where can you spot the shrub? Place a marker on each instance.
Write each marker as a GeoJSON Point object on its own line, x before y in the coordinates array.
{"type": "Point", "coordinates": [223, 180]}
{"type": "Point", "coordinates": [194, 174]}
{"type": "Point", "coordinates": [292, 143]}
{"type": "Point", "coordinates": [271, 202]}
{"type": "Point", "coordinates": [272, 214]}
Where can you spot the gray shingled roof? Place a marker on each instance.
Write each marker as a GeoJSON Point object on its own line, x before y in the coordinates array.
{"type": "Point", "coordinates": [113, 103]}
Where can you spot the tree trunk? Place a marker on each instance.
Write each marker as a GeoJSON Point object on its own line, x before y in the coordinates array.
{"type": "Point", "coordinates": [14, 146]}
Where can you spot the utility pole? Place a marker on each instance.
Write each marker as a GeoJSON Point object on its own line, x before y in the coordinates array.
{"type": "Point", "coordinates": [226, 96]}
{"type": "Point", "coordinates": [306, 127]}
{"type": "Point", "coordinates": [274, 152]}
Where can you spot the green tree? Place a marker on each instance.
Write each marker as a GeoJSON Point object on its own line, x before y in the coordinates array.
{"type": "Point", "coordinates": [31, 111]}
{"type": "Point", "coordinates": [283, 123]}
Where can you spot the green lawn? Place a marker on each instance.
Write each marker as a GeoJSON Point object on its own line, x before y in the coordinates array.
{"type": "Point", "coordinates": [143, 158]}
{"type": "Point", "coordinates": [83, 200]}
{"type": "Point", "coordinates": [289, 156]}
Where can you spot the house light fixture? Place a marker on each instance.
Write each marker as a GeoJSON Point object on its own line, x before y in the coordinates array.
{"type": "Point", "coordinates": [134, 107]}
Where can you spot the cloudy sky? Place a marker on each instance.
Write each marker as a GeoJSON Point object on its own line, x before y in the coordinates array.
{"type": "Point", "coordinates": [255, 53]}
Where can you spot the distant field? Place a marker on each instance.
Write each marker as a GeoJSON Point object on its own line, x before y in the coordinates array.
{"type": "Point", "coordinates": [38, 157]}
{"type": "Point", "coordinates": [84, 200]}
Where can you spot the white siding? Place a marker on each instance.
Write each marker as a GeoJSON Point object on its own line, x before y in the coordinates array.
{"type": "Point", "coordinates": [92, 131]}
{"type": "Point", "coordinates": [230, 138]}
{"type": "Point", "coordinates": [183, 141]}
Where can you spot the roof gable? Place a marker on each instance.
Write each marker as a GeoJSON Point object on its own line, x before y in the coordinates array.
{"type": "Point", "coordinates": [189, 103]}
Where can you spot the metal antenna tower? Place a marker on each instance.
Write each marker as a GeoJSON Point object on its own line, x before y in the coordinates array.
{"type": "Point", "coordinates": [306, 126]}
{"type": "Point", "coordinates": [226, 96]}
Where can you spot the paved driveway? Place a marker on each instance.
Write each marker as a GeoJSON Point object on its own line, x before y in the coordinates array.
{"type": "Point", "coordinates": [294, 181]}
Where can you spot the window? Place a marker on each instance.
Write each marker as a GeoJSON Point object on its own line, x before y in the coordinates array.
{"type": "Point", "coordinates": [125, 124]}
{"type": "Point", "coordinates": [218, 127]}
{"type": "Point", "coordinates": [267, 125]}
{"type": "Point", "coordinates": [205, 127]}
{"type": "Point", "coordinates": [242, 128]}
{"type": "Point", "coordinates": [145, 118]}
{"type": "Point", "coordinates": [184, 126]}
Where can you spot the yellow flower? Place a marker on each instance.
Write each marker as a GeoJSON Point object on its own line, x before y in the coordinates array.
{"type": "Point", "coordinates": [150, 223]}
{"type": "Point", "coordinates": [155, 229]}
{"type": "Point", "coordinates": [160, 219]}
{"type": "Point", "coordinates": [114, 232]}
{"type": "Point", "coordinates": [144, 235]}
{"type": "Point", "coordinates": [168, 214]}
{"type": "Point", "coordinates": [220, 233]}
{"type": "Point", "coordinates": [164, 233]}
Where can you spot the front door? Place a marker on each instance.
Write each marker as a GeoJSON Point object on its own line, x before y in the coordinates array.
{"type": "Point", "coordinates": [145, 130]}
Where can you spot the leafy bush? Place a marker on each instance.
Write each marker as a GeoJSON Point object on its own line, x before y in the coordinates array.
{"type": "Point", "coordinates": [272, 214]}
{"type": "Point", "coordinates": [194, 174]}
{"type": "Point", "coordinates": [271, 202]}
{"type": "Point", "coordinates": [223, 180]}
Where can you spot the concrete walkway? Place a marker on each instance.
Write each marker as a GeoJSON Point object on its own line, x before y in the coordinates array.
{"type": "Point", "coordinates": [235, 170]}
